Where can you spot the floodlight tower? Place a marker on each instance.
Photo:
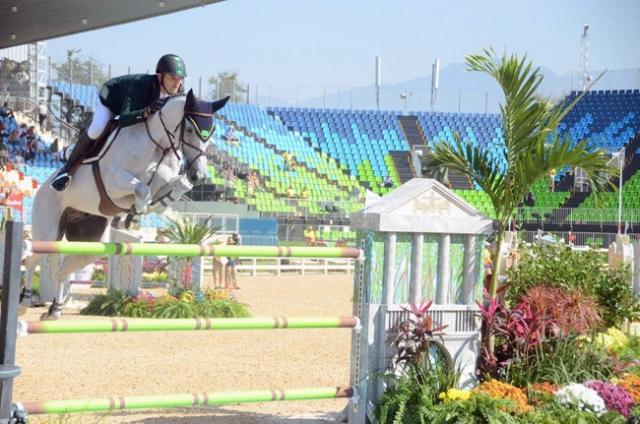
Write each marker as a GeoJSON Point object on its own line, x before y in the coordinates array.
{"type": "Point", "coordinates": [584, 54]}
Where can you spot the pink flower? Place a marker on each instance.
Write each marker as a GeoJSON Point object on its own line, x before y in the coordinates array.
{"type": "Point", "coordinates": [615, 398]}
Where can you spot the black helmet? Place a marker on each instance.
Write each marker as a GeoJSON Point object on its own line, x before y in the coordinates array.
{"type": "Point", "coordinates": [171, 64]}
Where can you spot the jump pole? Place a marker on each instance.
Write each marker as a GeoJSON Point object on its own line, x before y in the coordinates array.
{"type": "Point", "coordinates": [188, 250]}
{"type": "Point", "coordinates": [181, 400]}
{"type": "Point", "coordinates": [191, 324]}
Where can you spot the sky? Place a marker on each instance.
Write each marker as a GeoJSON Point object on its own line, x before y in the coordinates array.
{"type": "Point", "coordinates": [333, 43]}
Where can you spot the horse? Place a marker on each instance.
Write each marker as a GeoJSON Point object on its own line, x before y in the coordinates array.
{"type": "Point", "coordinates": [137, 169]}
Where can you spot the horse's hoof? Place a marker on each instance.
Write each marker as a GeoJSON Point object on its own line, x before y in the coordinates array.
{"type": "Point", "coordinates": [51, 316]}
{"type": "Point", "coordinates": [53, 313]}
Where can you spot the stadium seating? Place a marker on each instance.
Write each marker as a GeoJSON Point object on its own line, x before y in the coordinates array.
{"type": "Point", "coordinates": [337, 151]}
{"type": "Point", "coordinates": [359, 140]}
{"type": "Point", "coordinates": [85, 95]}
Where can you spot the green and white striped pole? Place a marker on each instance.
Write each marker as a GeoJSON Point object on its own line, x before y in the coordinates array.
{"type": "Point", "coordinates": [162, 249]}
{"type": "Point", "coordinates": [181, 400]}
{"type": "Point", "coordinates": [190, 324]}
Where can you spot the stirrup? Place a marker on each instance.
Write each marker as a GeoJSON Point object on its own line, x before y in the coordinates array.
{"type": "Point", "coordinates": [61, 181]}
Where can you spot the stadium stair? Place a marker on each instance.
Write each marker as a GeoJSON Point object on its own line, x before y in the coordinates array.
{"type": "Point", "coordinates": [412, 131]}
{"type": "Point", "coordinates": [402, 163]}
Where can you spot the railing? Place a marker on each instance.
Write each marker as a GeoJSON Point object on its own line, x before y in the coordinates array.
{"type": "Point", "coordinates": [599, 240]}
{"type": "Point", "coordinates": [576, 216]}
{"type": "Point", "coordinates": [290, 266]}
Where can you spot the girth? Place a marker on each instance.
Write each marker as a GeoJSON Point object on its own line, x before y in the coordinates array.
{"type": "Point", "coordinates": [106, 206]}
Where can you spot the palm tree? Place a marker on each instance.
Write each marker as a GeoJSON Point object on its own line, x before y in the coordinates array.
{"type": "Point", "coordinates": [532, 145]}
{"type": "Point", "coordinates": [187, 230]}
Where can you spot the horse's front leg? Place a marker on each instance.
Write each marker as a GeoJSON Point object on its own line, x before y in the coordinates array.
{"type": "Point", "coordinates": [126, 184]}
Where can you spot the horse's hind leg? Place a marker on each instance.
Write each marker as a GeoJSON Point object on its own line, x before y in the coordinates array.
{"type": "Point", "coordinates": [89, 228]}
{"type": "Point", "coordinates": [45, 226]}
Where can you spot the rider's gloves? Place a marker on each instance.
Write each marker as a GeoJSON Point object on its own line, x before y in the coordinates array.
{"type": "Point", "coordinates": [155, 106]}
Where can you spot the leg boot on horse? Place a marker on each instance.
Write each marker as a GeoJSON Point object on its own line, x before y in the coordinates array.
{"type": "Point", "coordinates": [62, 180]}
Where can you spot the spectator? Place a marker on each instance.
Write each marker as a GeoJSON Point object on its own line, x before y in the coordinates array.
{"type": "Point", "coordinates": [42, 115]}
{"type": "Point", "coordinates": [229, 179]}
{"type": "Point", "coordinates": [529, 199]}
{"type": "Point", "coordinates": [230, 276]}
{"type": "Point", "coordinates": [231, 136]}
{"type": "Point", "coordinates": [310, 236]}
{"type": "Point", "coordinates": [288, 161]}
{"type": "Point", "coordinates": [357, 193]}
{"type": "Point", "coordinates": [291, 193]}
{"type": "Point", "coordinates": [4, 156]}
{"type": "Point", "coordinates": [552, 180]}
{"type": "Point", "coordinates": [571, 238]}
{"type": "Point", "coordinates": [253, 182]}
{"type": "Point", "coordinates": [387, 182]}
{"type": "Point", "coordinates": [55, 148]}
{"type": "Point", "coordinates": [304, 194]}
{"type": "Point", "coordinates": [6, 111]}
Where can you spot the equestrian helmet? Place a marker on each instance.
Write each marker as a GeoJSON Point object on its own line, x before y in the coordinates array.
{"type": "Point", "coordinates": [171, 64]}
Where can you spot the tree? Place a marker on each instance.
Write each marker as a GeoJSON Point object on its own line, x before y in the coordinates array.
{"type": "Point", "coordinates": [532, 145]}
{"type": "Point", "coordinates": [228, 83]}
{"type": "Point", "coordinates": [186, 230]}
{"type": "Point", "coordinates": [84, 70]}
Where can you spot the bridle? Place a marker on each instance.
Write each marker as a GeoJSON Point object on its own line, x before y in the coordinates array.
{"type": "Point", "coordinates": [177, 146]}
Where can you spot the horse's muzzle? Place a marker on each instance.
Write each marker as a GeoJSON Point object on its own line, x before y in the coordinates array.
{"type": "Point", "coordinates": [198, 177]}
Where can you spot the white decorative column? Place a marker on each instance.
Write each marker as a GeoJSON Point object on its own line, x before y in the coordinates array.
{"type": "Point", "coordinates": [444, 270]}
{"type": "Point", "coordinates": [388, 289]}
{"type": "Point", "coordinates": [125, 272]}
{"type": "Point", "coordinates": [470, 269]}
{"type": "Point", "coordinates": [415, 291]}
{"type": "Point", "coordinates": [636, 269]}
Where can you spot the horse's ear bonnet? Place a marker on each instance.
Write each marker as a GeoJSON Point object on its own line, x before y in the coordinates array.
{"type": "Point", "coordinates": [200, 114]}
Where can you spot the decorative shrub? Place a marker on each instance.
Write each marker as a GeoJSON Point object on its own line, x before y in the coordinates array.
{"type": "Point", "coordinates": [615, 398]}
{"type": "Point", "coordinates": [188, 304]}
{"type": "Point", "coordinates": [479, 408]}
{"type": "Point", "coordinates": [560, 267]}
{"type": "Point", "coordinates": [499, 390]}
{"type": "Point", "coordinates": [612, 339]}
{"type": "Point", "coordinates": [615, 296]}
{"type": "Point", "coordinates": [581, 397]}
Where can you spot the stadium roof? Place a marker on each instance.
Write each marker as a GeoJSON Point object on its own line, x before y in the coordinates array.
{"type": "Point", "coordinates": [24, 22]}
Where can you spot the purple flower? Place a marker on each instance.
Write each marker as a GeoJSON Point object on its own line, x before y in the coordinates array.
{"type": "Point", "coordinates": [615, 398]}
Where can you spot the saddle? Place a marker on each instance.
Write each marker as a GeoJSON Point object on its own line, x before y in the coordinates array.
{"type": "Point", "coordinates": [95, 151]}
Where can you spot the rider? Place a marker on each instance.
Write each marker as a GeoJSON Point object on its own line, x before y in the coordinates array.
{"type": "Point", "coordinates": [133, 98]}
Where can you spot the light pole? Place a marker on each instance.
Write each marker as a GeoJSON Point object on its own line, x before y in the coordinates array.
{"type": "Point", "coordinates": [621, 156]}
{"type": "Point", "coordinates": [404, 96]}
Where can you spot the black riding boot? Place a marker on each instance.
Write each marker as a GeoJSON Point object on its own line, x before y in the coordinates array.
{"type": "Point", "coordinates": [63, 178]}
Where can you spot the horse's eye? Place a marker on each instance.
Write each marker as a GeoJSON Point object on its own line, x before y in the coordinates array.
{"type": "Point", "coordinates": [190, 130]}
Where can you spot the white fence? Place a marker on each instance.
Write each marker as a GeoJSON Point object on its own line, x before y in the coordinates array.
{"type": "Point", "coordinates": [289, 266]}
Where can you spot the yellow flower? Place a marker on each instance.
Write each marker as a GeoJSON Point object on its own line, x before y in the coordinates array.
{"type": "Point", "coordinates": [454, 394]}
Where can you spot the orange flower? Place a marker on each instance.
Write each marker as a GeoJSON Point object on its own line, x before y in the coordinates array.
{"type": "Point", "coordinates": [544, 387]}
{"type": "Point", "coordinates": [499, 390]}
{"type": "Point", "coordinates": [539, 393]}
{"type": "Point", "coordinates": [631, 384]}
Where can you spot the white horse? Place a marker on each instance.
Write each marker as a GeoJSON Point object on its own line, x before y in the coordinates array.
{"type": "Point", "coordinates": [136, 170]}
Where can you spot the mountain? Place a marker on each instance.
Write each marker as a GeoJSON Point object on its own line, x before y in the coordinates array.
{"type": "Point", "coordinates": [460, 90]}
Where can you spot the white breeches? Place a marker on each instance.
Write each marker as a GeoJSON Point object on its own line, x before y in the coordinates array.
{"type": "Point", "coordinates": [101, 117]}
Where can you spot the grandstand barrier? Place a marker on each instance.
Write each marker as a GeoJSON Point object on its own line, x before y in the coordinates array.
{"type": "Point", "coordinates": [427, 245]}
